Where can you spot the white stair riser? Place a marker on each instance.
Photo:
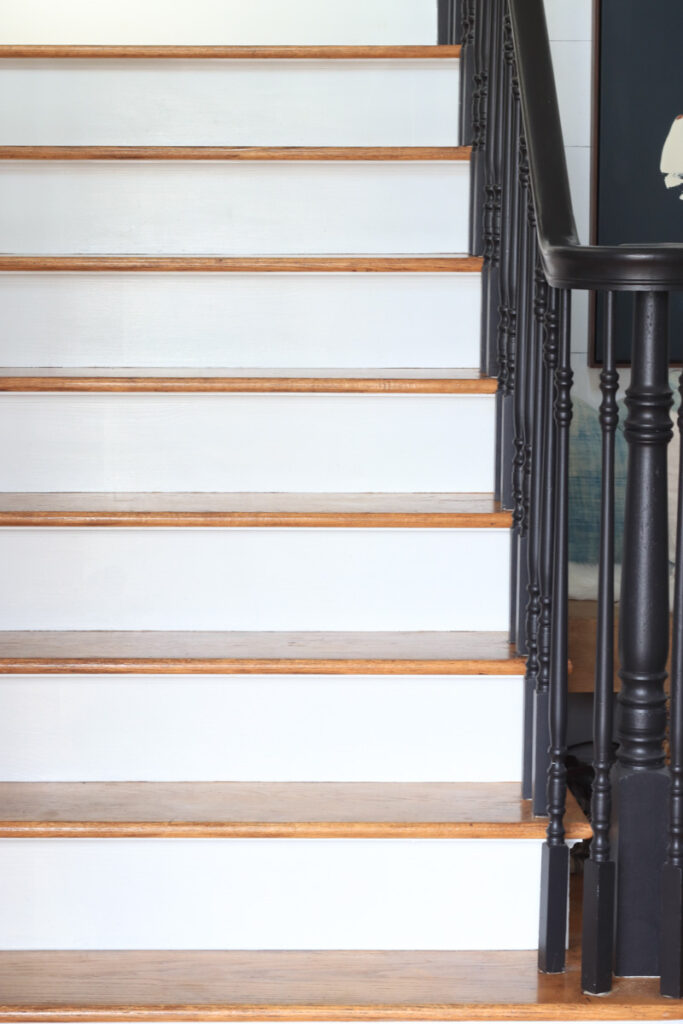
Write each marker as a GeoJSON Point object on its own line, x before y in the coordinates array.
{"type": "Point", "coordinates": [213, 22]}
{"type": "Point", "coordinates": [260, 728]}
{"type": "Point", "coordinates": [260, 579]}
{"type": "Point", "coordinates": [269, 894]}
{"type": "Point", "coordinates": [234, 208]}
{"type": "Point", "coordinates": [231, 103]}
{"type": "Point", "coordinates": [247, 442]}
{"type": "Point", "coordinates": [253, 320]}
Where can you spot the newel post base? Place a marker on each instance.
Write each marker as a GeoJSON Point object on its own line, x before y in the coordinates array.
{"type": "Point", "coordinates": [639, 842]}
{"type": "Point", "coordinates": [672, 932]}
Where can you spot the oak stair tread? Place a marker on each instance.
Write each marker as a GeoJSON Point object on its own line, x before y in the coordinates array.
{"type": "Point", "coordinates": [239, 653]}
{"type": "Point", "coordinates": [315, 986]}
{"type": "Point", "coordinates": [407, 264]}
{"type": "Point", "coordinates": [466, 510]}
{"type": "Point", "coordinates": [435, 810]}
{"type": "Point", "coordinates": [173, 52]}
{"type": "Point", "coordinates": [233, 153]}
{"type": "Point", "coordinates": [349, 381]}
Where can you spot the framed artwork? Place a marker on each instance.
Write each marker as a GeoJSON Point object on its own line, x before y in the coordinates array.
{"type": "Point", "coordinates": [638, 143]}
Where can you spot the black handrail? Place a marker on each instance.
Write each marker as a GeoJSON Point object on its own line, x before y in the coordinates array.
{"type": "Point", "coordinates": [523, 227]}
{"type": "Point", "coordinates": [568, 263]}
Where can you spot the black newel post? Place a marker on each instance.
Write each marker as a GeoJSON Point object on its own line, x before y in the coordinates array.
{"type": "Point", "coordinates": [641, 782]}
{"type": "Point", "coordinates": [672, 878]}
{"type": "Point", "coordinates": [597, 946]}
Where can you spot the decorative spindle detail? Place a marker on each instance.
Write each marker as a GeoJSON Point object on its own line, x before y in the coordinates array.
{"type": "Point", "coordinates": [550, 356]}
{"type": "Point", "coordinates": [599, 873]}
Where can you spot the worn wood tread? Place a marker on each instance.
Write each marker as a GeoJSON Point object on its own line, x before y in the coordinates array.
{"type": "Point", "coordinates": [443, 264]}
{"type": "Point", "coordinates": [230, 52]}
{"type": "Point", "coordinates": [478, 511]}
{"type": "Point", "coordinates": [321, 986]}
{"type": "Point", "coordinates": [302, 810]}
{"type": "Point", "coordinates": [232, 153]}
{"type": "Point", "coordinates": [262, 653]}
{"type": "Point", "coordinates": [127, 379]}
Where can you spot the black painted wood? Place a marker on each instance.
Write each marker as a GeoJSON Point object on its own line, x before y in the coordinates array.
{"type": "Point", "coordinates": [672, 878]}
{"type": "Point", "coordinates": [641, 783]}
{"type": "Point", "coordinates": [554, 905]}
{"type": "Point", "coordinates": [599, 876]}
{"type": "Point", "coordinates": [467, 31]}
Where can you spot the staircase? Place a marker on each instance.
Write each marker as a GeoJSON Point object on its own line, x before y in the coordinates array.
{"type": "Point", "coordinates": [262, 731]}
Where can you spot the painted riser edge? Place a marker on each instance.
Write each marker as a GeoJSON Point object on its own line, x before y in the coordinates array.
{"type": "Point", "coordinates": [270, 442]}
{"type": "Point", "coordinates": [227, 22]}
{"type": "Point", "coordinates": [258, 579]}
{"type": "Point", "coordinates": [231, 103]}
{"type": "Point", "coordinates": [269, 894]}
{"type": "Point", "coordinates": [234, 208]}
{"type": "Point", "coordinates": [268, 320]}
{"type": "Point", "coordinates": [260, 728]}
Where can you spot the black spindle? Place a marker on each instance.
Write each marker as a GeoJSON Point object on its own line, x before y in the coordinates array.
{"type": "Point", "coordinates": [672, 877]}
{"type": "Point", "coordinates": [555, 864]}
{"type": "Point", "coordinates": [599, 873]}
{"type": "Point", "coordinates": [467, 31]}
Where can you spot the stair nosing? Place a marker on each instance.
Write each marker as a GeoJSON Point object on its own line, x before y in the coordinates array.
{"type": "Point", "coordinates": [155, 380]}
{"type": "Point", "coordinates": [421, 154]}
{"type": "Point", "coordinates": [208, 52]}
{"type": "Point", "coordinates": [458, 264]}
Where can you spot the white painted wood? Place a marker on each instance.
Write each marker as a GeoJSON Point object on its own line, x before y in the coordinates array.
{"type": "Point", "coordinates": [228, 22]}
{"type": "Point", "coordinates": [269, 894]}
{"type": "Point", "coordinates": [229, 103]}
{"type": "Point", "coordinates": [239, 208]}
{"type": "Point", "coordinates": [261, 579]}
{"type": "Point", "coordinates": [247, 442]}
{"type": "Point", "coordinates": [260, 728]}
{"type": "Point", "coordinates": [248, 320]}
{"type": "Point", "coordinates": [569, 20]}
{"type": "Point", "coordinates": [579, 168]}
{"type": "Point", "coordinates": [572, 63]}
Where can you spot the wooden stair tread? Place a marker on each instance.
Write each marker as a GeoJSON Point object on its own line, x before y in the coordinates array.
{"type": "Point", "coordinates": [232, 153]}
{"type": "Point", "coordinates": [168, 52]}
{"type": "Point", "coordinates": [274, 810]}
{"type": "Point", "coordinates": [237, 653]}
{"type": "Point", "coordinates": [318, 986]}
{"type": "Point", "coordinates": [362, 381]}
{"type": "Point", "coordinates": [253, 510]}
{"type": "Point", "coordinates": [437, 264]}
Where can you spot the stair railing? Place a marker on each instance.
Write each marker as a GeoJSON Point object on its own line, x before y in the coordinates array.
{"type": "Point", "coordinates": [523, 226]}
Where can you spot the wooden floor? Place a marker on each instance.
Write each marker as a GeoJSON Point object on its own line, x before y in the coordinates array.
{"type": "Point", "coordinates": [249, 653]}
{"type": "Point", "coordinates": [320, 986]}
{"type": "Point", "coordinates": [302, 810]}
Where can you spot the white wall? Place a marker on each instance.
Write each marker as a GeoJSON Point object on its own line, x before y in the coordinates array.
{"type": "Point", "coordinates": [570, 25]}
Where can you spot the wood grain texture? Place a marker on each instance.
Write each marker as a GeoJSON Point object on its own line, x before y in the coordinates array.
{"type": "Point", "coordinates": [320, 986]}
{"type": "Point", "coordinates": [138, 379]}
{"type": "Point", "coordinates": [243, 264]}
{"type": "Point", "coordinates": [283, 810]}
{"type": "Point", "coordinates": [230, 52]}
{"type": "Point", "coordinates": [232, 153]}
{"type": "Point", "coordinates": [451, 511]}
{"type": "Point", "coordinates": [254, 653]}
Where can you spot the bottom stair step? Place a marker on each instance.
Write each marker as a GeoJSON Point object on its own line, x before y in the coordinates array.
{"type": "Point", "coordinates": [270, 866]}
{"type": "Point", "coordinates": [322, 986]}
